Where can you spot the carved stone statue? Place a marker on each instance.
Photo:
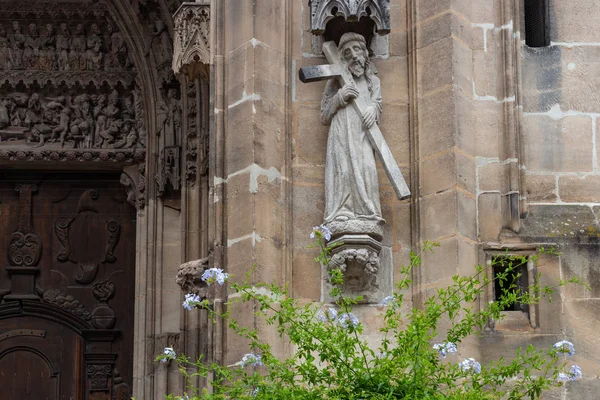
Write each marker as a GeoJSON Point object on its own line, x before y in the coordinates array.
{"type": "Point", "coordinates": [77, 57]}
{"type": "Point", "coordinates": [32, 47]}
{"type": "Point", "coordinates": [94, 52]}
{"type": "Point", "coordinates": [169, 116]}
{"type": "Point", "coordinates": [17, 46]}
{"type": "Point", "coordinates": [116, 57]}
{"type": "Point", "coordinates": [4, 49]}
{"type": "Point", "coordinates": [352, 189]}
{"type": "Point", "coordinates": [63, 44]}
{"type": "Point", "coordinates": [47, 56]}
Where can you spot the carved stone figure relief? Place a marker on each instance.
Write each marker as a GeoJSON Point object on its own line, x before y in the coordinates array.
{"type": "Point", "coordinates": [68, 80]}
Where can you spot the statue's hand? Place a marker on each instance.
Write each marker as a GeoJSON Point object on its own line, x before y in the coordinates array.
{"type": "Point", "coordinates": [370, 116]}
{"type": "Point", "coordinates": [348, 92]}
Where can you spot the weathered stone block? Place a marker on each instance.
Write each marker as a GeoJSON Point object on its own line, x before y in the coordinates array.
{"type": "Point", "coordinates": [394, 126]}
{"type": "Point", "coordinates": [585, 189]}
{"type": "Point", "coordinates": [494, 176]}
{"type": "Point", "coordinates": [435, 66]}
{"type": "Point", "coordinates": [560, 222]}
{"type": "Point", "coordinates": [563, 145]}
{"type": "Point", "coordinates": [438, 267]}
{"type": "Point", "coordinates": [465, 172]}
{"type": "Point", "coordinates": [429, 8]}
{"type": "Point", "coordinates": [437, 123]}
{"type": "Point", "coordinates": [489, 216]}
{"type": "Point", "coordinates": [311, 142]}
{"type": "Point", "coordinates": [487, 127]}
{"type": "Point", "coordinates": [466, 215]}
{"type": "Point", "coordinates": [438, 173]}
{"type": "Point", "coordinates": [574, 21]}
{"type": "Point", "coordinates": [540, 188]}
{"type": "Point", "coordinates": [240, 73]}
{"type": "Point", "coordinates": [312, 92]}
{"type": "Point", "coordinates": [580, 78]}
{"type": "Point", "coordinates": [239, 152]}
{"type": "Point", "coordinates": [270, 22]}
{"type": "Point", "coordinates": [239, 13]}
{"type": "Point", "coordinates": [306, 275]}
{"type": "Point", "coordinates": [439, 213]}
{"type": "Point", "coordinates": [393, 73]}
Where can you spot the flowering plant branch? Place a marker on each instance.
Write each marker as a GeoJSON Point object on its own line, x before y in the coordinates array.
{"type": "Point", "coordinates": [332, 359]}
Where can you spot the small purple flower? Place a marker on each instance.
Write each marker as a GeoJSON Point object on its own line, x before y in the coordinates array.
{"type": "Point", "coordinates": [562, 377]}
{"type": "Point", "coordinates": [469, 364]}
{"type": "Point", "coordinates": [190, 300]}
{"type": "Point", "coordinates": [575, 373]}
{"type": "Point", "coordinates": [215, 275]}
{"type": "Point", "coordinates": [389, 301]}
{"type": "Point", "coordinates": [322, 230]}
{"type": "Point", "coordinates": [329, 315]}
{"type": "Point", "coordinates": [252, 359]}
{"type": "Point", "coordinates": [565, 347]}
{"type": "Point", "coordinates": [348, 319]}
{"type": "Point", "coordinates": [381, 355]}
{"type": "Point", "coordinates": [168, 354]}
{"type": "Point", "coordinates": [445, 348]}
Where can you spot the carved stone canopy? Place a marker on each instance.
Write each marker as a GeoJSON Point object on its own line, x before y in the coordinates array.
{"type": "Point", "coordinates": [322, 11]}
{"type": "Point", "coordinates": [191, 48]}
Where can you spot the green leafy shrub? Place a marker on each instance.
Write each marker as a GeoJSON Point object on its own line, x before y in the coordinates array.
{"type": "Point", "coordinates": [332, 359]}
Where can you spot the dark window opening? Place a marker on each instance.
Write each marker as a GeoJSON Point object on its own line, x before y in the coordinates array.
{"type": "Point", "coordinates": [510, 276]}
{"type": "Point", "coordinates": [537, 23]}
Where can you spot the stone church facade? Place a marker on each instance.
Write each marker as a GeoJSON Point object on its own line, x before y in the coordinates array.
{"type": "Point", "coordinates": [140, 135]}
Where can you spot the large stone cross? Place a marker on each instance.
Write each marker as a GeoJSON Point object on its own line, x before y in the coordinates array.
{"type": "Point", "coordinates": [336, 70]}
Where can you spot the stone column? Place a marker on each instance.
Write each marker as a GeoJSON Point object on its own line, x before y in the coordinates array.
{"type": "Point", "coordinates": [256, 147]}
{"type": "Point", "coordinates": [191, 64]}
{"type": "Point", "coordinates": [443, 140]}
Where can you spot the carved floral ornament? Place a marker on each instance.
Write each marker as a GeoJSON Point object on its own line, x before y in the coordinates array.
{"type": "Point", "coordinates": [192, 37]}
{"type": "Point", "coordinates": [322, 11]}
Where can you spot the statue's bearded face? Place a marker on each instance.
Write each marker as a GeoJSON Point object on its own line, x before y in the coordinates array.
{"type": "Point", "coordinates": [355, 57]}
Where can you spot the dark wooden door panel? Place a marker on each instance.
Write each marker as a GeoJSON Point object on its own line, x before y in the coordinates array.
{"type": "Point", "coordinates": [77, 286]}
{"type": "Point", "coordinates": [25, 375]}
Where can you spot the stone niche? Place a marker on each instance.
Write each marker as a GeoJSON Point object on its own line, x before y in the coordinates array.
{"type": "Point", "coordinates": [67, 82]}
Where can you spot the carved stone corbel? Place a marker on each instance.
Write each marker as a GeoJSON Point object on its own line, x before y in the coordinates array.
{"type": "Point", "coordinates": [134, 180]}
{"type": "Point", "coordinates": [191, 48]}
{"type": "Point", "coordinates": [322, 11]}
{"type": "Point", "coordinates": [189, 277]}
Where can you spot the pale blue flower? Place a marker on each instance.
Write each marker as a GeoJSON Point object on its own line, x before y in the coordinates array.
{"type": "Point", "coordinates": [348, 319]}
{"type": "Point", "coordinates": [168, 354]}
{"type": "Point", "coordinates": [324, 231]}
{"type": "Point", "coordinates": [445, 348]}
{"type": "Point", "coordinates": [381, 355]}
{"type": "Point", "coordinates": [575, 373]}
{"type": "Point", "coordinates": [562, 377]}
{"type": "Point", "coordinates": [252, 359]}
{"type": "Point", "coordinates": [565, 347]}
{"type": "Point", "coordinates": [190, 300]}
{"type": "Point", "coordinates": [215, 275]}
{"type": "Point", "coordinates": [389, 301]}
{"type": "Point", "coordinates": [329, 315]}
{"type": "Point", "coordinates": [254, 392]}
{"type": "Point", "coordinates": [469, 364]}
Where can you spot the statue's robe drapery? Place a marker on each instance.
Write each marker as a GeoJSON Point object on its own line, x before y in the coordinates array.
{"type": "Point", "coordinates": [352, 188]}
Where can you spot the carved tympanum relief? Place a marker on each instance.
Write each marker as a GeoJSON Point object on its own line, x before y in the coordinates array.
{"type": "Point", "coordinates": [68, 81]}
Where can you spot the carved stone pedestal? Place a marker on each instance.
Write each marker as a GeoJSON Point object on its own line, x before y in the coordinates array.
{"type": "Point", "coordinates": [366, 274]}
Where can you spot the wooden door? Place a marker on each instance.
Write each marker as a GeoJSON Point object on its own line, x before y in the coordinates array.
{"type": "Point", "coordinates": [67, 286]}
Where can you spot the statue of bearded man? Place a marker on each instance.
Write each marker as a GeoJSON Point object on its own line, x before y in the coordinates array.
{"type": "Point", "coordinates": [351, 185]}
